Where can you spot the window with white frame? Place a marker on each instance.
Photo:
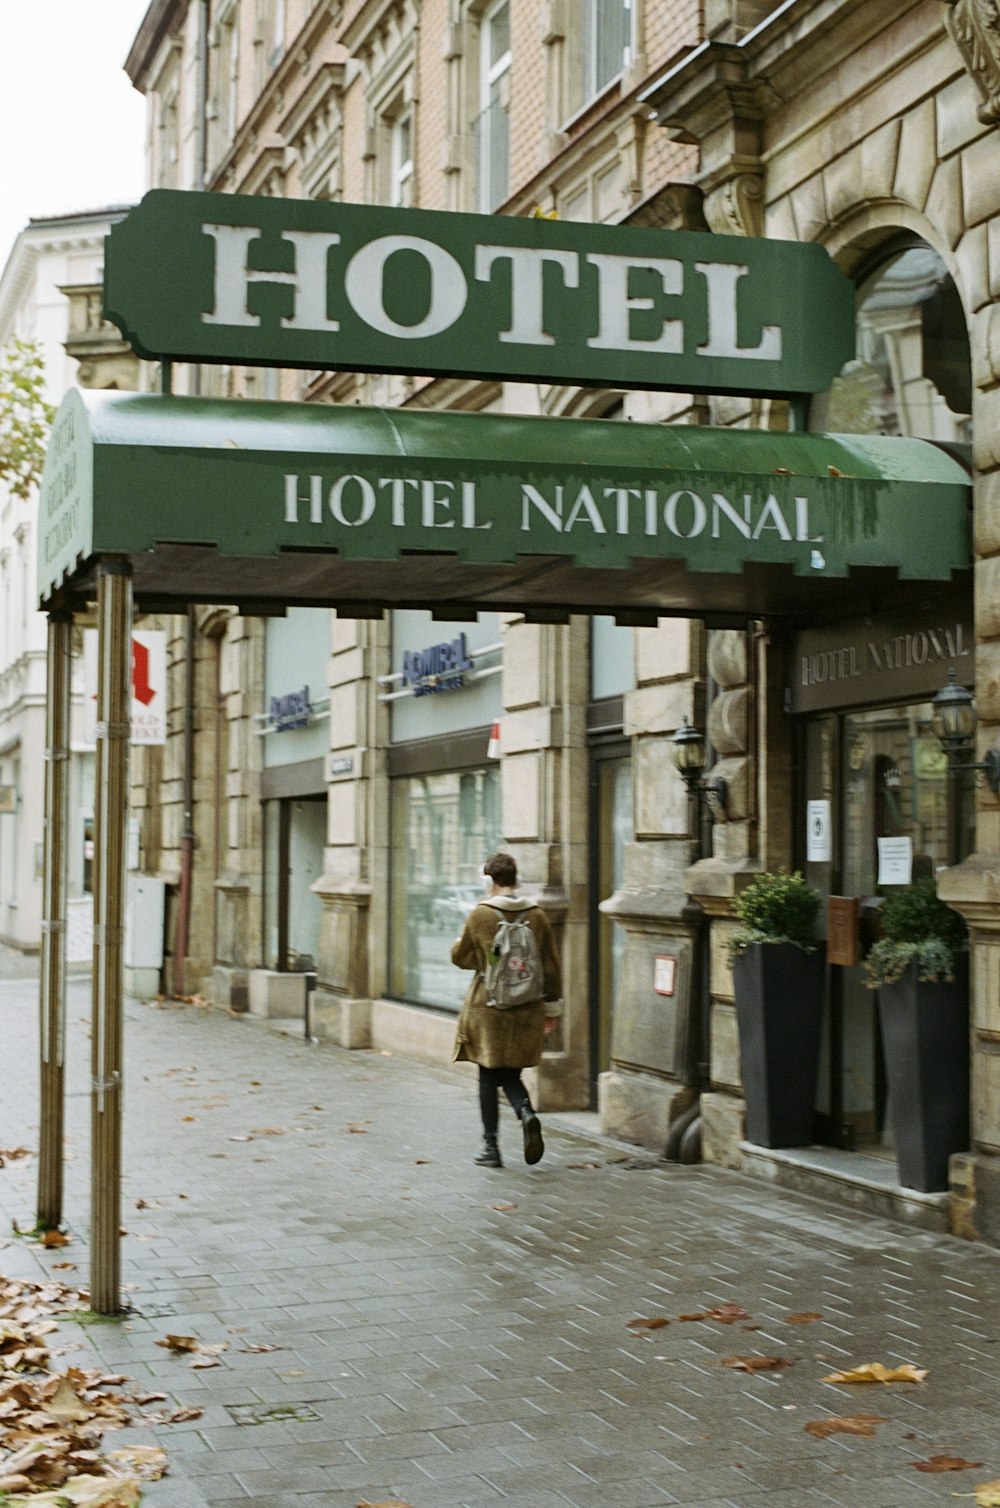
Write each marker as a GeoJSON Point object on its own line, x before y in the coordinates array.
{"type": "Point", "coordinates": [401, 157]}
{"type": "Point", "coordinates": [492, 126]}
{"type": "Point", "coordinates": [597, 40]}
{"type": "Point", "coordinates": [225, 44]}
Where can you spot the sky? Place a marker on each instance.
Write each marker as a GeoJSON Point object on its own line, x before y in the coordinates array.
{"type": "Point", "coordinates": [72, 128]}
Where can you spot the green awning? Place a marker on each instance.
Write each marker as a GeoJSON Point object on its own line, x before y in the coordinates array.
{"type": "Point", "coordinates": [277, 504]}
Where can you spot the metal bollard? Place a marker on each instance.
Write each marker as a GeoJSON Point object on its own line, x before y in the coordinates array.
{"type": "Point", "coordinates": [310, 1006]}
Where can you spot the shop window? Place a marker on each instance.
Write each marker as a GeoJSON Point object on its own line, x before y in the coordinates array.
{"type": "Point", "coordinates": [444, 826]}
{"type": "Point", "coordinates": [912, 373]}
{"type": "Point", "coordinates": [492, 125]}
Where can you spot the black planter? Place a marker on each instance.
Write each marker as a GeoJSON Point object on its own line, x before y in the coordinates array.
{"type": "Point", "coordinates": [779, 1010]}
{"type": "Point", "coordinates": [925, 1034]}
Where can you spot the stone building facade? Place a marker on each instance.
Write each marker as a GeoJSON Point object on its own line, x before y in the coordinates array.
{"type": "Point", "coordinates": [50, 294]}
{"type": "Point", "coordinates": [871, 133]}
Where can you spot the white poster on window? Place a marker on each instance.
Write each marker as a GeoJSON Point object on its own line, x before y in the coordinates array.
{"type": "Point", "coordinates": [818, 832]}
{"type": "Point", "coordinates": [895, 861]}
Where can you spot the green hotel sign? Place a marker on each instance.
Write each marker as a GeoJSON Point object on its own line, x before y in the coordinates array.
{"type": "Point", "coordinates": [297, 283]}
{"type": "Point", "coordinates": [329, 503]}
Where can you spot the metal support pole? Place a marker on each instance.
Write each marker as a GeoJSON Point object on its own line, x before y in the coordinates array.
{"type": "Point", "coordinates": [114, 641]}
{"type": "Point", "coordinates": [52, 990]}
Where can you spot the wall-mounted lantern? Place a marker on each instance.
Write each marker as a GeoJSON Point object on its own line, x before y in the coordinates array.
{"type": "Point", "coordinates": [688, 754]}
{"type": "Point", "coordinates": [955, 726]}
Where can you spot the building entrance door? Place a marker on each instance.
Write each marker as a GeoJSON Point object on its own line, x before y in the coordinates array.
{"type": "Point", "coordinates": [880, 774]}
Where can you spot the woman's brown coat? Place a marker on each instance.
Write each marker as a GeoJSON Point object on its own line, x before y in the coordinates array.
{"type": "Point", "coordinates": [510, 1038]}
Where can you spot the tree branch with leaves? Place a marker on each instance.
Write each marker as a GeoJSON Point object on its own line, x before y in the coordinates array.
{"type": "Point", "coordinates": [25, 417]}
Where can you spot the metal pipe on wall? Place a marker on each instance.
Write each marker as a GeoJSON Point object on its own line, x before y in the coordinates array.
{"type": "Point", "coordinates": [114, 642]}
{"type": "Point", "coordinates": [52, 986]}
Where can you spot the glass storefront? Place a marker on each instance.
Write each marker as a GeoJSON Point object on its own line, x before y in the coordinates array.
{"type": "Point", "coordinates": [881, 774]}
{"type": "Point", "coordinates": [444, 826]}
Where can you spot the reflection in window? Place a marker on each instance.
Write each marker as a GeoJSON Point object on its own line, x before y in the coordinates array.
{"type": "Point", "coordinates": [896, 786]}
{"type": "Point", "coordinates": [444, 827]}
{"type": "Point", "coordinates": [912, 372]}
{"type": "Point", "coordinates": [492, 125]}
{"type": "Point", "coordinates": [607, 37]}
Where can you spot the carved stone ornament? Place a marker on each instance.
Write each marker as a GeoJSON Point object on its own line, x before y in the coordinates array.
{"type": "Point", "coordinates": [736, 206]}
{"type": "Point", "coordinates": [975, 28]}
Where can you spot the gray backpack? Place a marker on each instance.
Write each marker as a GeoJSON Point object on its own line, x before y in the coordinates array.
{"type": "Point", "coordinates": [514, 974]}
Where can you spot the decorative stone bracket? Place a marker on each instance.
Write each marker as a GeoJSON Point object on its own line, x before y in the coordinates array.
{"type": "Point", "coordinates": [974, 26]}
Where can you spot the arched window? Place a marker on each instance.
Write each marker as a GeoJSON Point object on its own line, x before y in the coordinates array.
{"type": "Point", "coordinates": [912, 374]}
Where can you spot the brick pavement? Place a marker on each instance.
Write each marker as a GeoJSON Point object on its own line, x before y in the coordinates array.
{"type": "Point", "coordinates": [458, 1336]}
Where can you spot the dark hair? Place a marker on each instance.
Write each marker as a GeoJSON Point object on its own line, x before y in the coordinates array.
{"type": "Point", "coordinates": [501, 869]}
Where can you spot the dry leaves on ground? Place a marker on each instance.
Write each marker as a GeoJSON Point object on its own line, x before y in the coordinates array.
{"type": "Point", "coordinates": [724, 1314]}
{"type": "Point", "coordinates": [945, 1463]}
{"type": "Point", "coordinates": [383, 1503]}
{"type": "Point", "coordinates": [874, 1371]}
{"type": "Point", "coordinates": [757, 1363]}
{"type": "Point", "coordinates": [802, 1319]}
{"type": "Point", "coordinates": [656, 1323]}
{"type": "Point", "coordinates": [204, 1356]}
{"type": "Point", "coordinates": [985, 1495]}
{"type": "Point", "coordinates": [851, 1424]}
{"type": "Point", "coordinates": [11, 1154]}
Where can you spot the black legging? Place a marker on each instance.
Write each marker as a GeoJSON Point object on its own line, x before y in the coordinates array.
{"type": "Point", "coordinates": [491, 1080]}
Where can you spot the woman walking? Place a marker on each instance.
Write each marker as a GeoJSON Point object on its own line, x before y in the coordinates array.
{"type": "Point", "coordinates": [504, 1040]}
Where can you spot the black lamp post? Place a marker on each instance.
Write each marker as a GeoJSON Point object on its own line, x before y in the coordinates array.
{"type": "Point", "coordinates": [955, 726]}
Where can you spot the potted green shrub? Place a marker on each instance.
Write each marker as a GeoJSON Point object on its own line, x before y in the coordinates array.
{"type": "Point", "coordinates": [778, 978]}
{"type": "Point", "coordinates": [920, 967]}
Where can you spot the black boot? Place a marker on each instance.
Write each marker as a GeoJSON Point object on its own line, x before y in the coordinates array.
{"type": "Point", "coordinates": [534, 1146]}
{"type": "Point", "coordinates": [489, 1157]}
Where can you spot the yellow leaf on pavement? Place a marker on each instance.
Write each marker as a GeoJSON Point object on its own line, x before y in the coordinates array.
{"type": "Point", "coordinates": [986, 1495]}
{"type": "Point", "coordinates": [851, 1424]}
{"type": "Point", "coordinates": [874, 1371]}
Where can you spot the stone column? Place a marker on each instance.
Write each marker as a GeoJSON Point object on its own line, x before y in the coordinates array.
{"type": "Point", "coordinates": [231, 692]}
{"type": "Point", "coordinates": [654, 1036]}
{"type": "Point", "coordinates": [544, 784]}
{"type": "Point", "coordinates": [353, 951]}
{"type": "Point", "coordinates": [973, 888]}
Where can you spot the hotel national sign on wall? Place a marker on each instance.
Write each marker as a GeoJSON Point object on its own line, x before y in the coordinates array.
{"type": "Point", "coordinates": [299, 283]}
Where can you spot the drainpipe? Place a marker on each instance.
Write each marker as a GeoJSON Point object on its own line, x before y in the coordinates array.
{"type": "Point", "coordinates": [187, 832]}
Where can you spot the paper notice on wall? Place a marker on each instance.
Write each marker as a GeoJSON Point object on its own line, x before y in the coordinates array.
{"type": "Point", "coordinates": [818, 832]}
{"type": "Point", "coordinates": [895, 861]}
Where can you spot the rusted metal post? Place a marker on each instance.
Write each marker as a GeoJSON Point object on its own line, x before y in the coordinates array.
{"type": "Point", "coordinates": [52, 989]}
{"type": "Point", "coordinates": [114, 640]}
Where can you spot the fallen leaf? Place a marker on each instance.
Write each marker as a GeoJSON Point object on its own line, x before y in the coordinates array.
{"type": "Point", "coordinates": [202, 1363]}
{"type": "Point", "coordinates": [656, 1323]}
{"type": "Point", "coordinates": [582, 1166]}
{"type": "Point", "coordinates": [383, 1503]}
{"type": "Point", "coordinates": [179, 1343]}
{"type": "Point", "coordinates": [146, 1461]}
{"type": "Point", "coordinates": [801, 1319]}
{"type": "Point", "coordinates": [724, 1314]}
{"type": "Point", "coordinates": [52, 1238]}
{"type": "Point", "coordinates": [189, 1117]}
{"type": "Point", "coordinates": [503, 1208]}
{"type": "Point", "coordinates": [356, 1130]}
{"type": "Point", "coordinates": [253, 1350]}
{"type": "Point", "coordinates": [945, 1463]}
{"type": "Point", "coordinates": [852, 1424]}
{"type": "Point", "coordinates": [987, 1494]}
{"type": "Point", "coordinates": [165, 1416]}
{"type": "Point", "coordinates": [64, 1267]}
{"type": "Point", "coordinates": [756, 1363]}
{"type": "Point", "coordinates": [874, 1371]}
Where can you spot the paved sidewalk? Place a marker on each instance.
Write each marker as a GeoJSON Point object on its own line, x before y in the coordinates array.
{"type": "Point", "coordinates": [458, 1336]}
